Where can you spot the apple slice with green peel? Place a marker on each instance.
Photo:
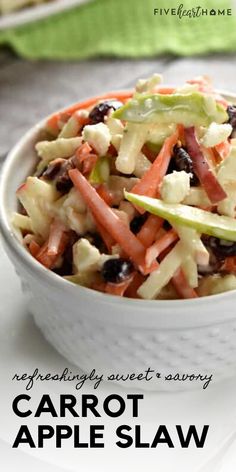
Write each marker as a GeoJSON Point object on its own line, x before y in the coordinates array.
{"type": "Point", "coordinates": [222, 227]}
{"type": "Point", "coordinates": [101, 171]}
{"type": "Point", "coordinates": [191, 109]}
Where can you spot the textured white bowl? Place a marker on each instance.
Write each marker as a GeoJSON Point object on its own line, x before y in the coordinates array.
{"type": "Point", "coordinates": [112, 334]}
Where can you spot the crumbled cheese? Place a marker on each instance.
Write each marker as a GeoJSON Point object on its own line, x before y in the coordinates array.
{"type": "Point", "coordinates": [216, 134]}
{"type": "Point", "coordinates": [87, 258]}
{"type": "Point", "coordinates": [175, 187]}
{"type": "Point", "coordinates": [98, 136]}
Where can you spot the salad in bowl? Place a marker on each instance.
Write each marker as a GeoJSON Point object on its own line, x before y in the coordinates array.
{"type": "Point", "coordinates": [134, 193]}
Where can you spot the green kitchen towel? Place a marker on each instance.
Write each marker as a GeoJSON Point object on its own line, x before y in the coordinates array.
{"type": "Point", "coordinates": [128, 28]}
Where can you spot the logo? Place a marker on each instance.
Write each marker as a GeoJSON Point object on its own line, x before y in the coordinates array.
{"type": "Point", "coordinates": [181, 12]}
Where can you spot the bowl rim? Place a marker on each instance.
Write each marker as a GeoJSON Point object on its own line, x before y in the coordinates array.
{"type": "Point", "coordinates": [50, 278]}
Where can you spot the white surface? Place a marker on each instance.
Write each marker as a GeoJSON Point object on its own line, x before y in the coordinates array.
{"type": "Point", "coordinates": [37, 12]}
{"type": "Point", "coordinates": [22, 348]}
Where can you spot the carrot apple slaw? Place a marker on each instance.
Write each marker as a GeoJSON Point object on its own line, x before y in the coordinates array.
{"type": "Point", "coordinates": [134, 193]}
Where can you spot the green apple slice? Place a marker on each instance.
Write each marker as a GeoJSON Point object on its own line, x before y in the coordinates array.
{"type": "Point", "coordinates": [101, 171]}
{"type": "Point", "coordinates": [192, 109]}
{"type": "Point", "coordinates": [222, 227]}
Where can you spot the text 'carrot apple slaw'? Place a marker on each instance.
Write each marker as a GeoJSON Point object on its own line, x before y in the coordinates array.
{"type": "Point", "coordinates": [135, 193]}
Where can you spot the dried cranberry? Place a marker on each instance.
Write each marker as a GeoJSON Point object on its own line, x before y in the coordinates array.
{"type": "Point", "coordinates": [63, 181]}
{"type": "Point", "coordinates": [116, 270]}
{"type": "Point", "coordinates": [181, 160]}
{"type": "Point", "coordinates": [221, 248]}
{"type": "Point", "coordinates": [231, 110]}
{"type": "Point", "coordinates": [53, 169]}
{"type": "Point", "coordinates": [137, 223]}
{"type": "Point", "coordinates": [98, 113]}
{"type": "Point", "coordinates": [216, 259]}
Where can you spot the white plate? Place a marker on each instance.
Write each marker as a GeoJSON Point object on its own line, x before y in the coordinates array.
{"type": "Point", "coordinates": [22, 348]}
{"type": "Point", "coordinates": [37, 12]}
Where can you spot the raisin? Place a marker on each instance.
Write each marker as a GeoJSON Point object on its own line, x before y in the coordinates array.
{"type": "Point", "coordinates": [216, 259]}
{"type": "Point", "coordinates": [116, 270]}
{"type": "Point", "coordinates": [98, 113]}
{"type": "Point", "coordinates": [137, 223]}
{"type": "Point", "coordinates": [181, 160]}
{"type": "Point", "coordinates": [53, 169]}
{"type": "Point", "coordinates": [63, 181]}
{"type": "Point", "coordinates": [231, 110]}
{"type": "Point", "coordinates": [221, 248]}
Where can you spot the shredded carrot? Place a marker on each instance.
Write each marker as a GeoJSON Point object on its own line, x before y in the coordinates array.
{"type": "Point", "coordinates": [223, 149]}
{"type": "Point", "coordinates": [43, 257]}
{"type": "Point", "coordinates": [57, 231]}
{"type": "Point", "coordinates": [119, 289]}
{"type": "Point", "coordinates": [105, 194]}
{"type": "Point", "coordinates": [83, 152]}
{"type": "Point", "coordinates": [99, 286]}
{"type": "Point", "coordinates": [180, 129]}
{"type": "Point", "coordinates": [230, 264]}
{"type": "Point", "coordinates": [53, 125]}
{"type": "Point", "coordinates": [82, 120]}
{"type": "Point", "coordinates": [160, 245]}
{"type": "Point", "coordinates": [203, 82]}
{"type": "Point", "coordinates": [34, 248]}
{"type": "Point", "coordinates": [148, 184]}
{"type": "Point", "coordinates": [165, 90]}
{"type": "Point", "coordinates": [132, 289]}
{"type": "Point", "coordinates": [182, 286]}
{"type": "Point", "coordinates": [104, 215]}
{"type": "Point", "coordinates": [210, 156]}
{"type": "Point", "coordinates": [147, 233]}
{"type": "Point", "coordinates": [87, 157]}
{"type": "Point", "coordinates": [106, 237]}
{"type": "Point", "coordinates": [54, 247]}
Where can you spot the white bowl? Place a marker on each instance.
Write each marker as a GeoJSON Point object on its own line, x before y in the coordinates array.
{"type": "Point", "coordinates": [113, 334]}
